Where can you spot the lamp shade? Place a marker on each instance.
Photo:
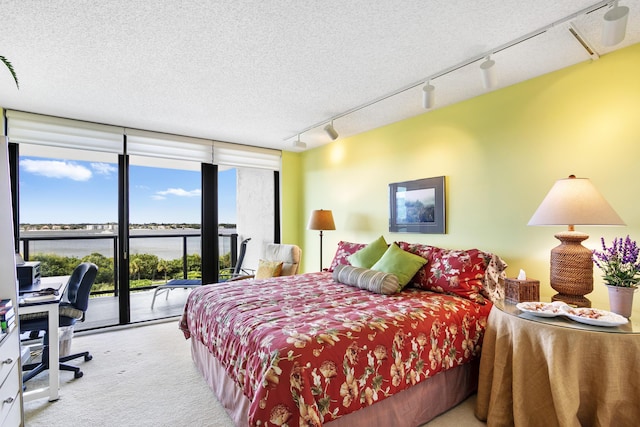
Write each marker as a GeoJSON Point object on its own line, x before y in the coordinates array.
{"type": "Point", "coordinates": [575, 201]}
{"type": "Point", "coordinates": [321, 220]}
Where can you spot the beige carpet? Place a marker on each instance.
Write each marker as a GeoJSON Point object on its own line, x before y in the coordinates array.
{"type": "Point", "coordinates": [144, 376]}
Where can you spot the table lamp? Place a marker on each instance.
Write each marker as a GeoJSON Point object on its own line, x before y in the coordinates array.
{"type": "Point", "coordinates": [321, 220]}
{"type": "Point", "coordinates": [573, 201]}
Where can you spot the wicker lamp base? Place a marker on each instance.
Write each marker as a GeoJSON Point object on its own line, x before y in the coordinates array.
{"type": "Point", "coordinates": [571, 269]}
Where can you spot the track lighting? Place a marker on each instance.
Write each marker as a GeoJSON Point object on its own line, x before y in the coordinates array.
{"type": "Point", "coordinates": [299, 144]}
{"type": "Point", "coordinates": [614, 28]}
{"type": "Point", "coordinates": [331, 131]}
{"type": "Point", "coordinates": [489, 80]}
{"type": "Point", "coordinates": [615, 25]}
{"type": "Point", "coordinates": [428, 95]}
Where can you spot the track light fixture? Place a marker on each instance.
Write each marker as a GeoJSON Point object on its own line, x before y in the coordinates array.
{"type": "Point", "coordinates": [331, 131]}
{"type": "Point", "coordinates": [489, 80]}
{"type": "Point", "coordinates": [428, 95]}
{"type": "Point", "coordinates": [613, 33]}
{"type": "Point", "coordinates": [299, 144]}
{"type": "Point", "coordinates": [615, 24]}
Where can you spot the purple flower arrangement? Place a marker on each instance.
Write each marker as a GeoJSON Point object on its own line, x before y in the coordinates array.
{"type": "Point", "coordinates": [619, 262]}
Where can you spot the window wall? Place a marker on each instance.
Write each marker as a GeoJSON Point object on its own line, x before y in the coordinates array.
{"type": "Point", "coordinates": [140, 202]}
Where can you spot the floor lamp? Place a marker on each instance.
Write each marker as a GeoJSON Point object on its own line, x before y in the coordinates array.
{"type": "Point", "coordinates": [573, 201]}
{"type": "Point", "coordinates": [321, 220]}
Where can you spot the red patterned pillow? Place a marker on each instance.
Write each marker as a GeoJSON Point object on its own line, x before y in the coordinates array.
{"type": "Point", "coordinates": [421, 279]}
{"type": "Point", "coordinates": [345, 249]}
{"type": "Point", "coordinates": [458, 272]}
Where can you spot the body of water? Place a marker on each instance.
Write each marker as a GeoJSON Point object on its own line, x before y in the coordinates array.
{"type": "Point", "coordinates": [164, 247]}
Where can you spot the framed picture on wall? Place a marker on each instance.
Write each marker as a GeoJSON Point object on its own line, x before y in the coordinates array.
{"type": "Point", "coordinates": [417, 206]}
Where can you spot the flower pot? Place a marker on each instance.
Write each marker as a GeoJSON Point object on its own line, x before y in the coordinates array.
{"type": "Point", "coordinates": [621, 299]}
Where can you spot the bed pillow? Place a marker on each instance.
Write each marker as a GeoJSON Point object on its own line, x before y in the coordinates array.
{"type": "Point", "coordinates": [364, 278]}
{"type": "Point", "coordinates": [369, 255]}
{"type": "Point", "coordinates": [458, 272]}
{"type": "Point", "coordinates": [401, 263]}
{"type": "Point", "coordinates": [342, 253]}
{"type": "Point", "coordinates": [421, 278]}
{"type": "Point", "coordinates": [267, 269]}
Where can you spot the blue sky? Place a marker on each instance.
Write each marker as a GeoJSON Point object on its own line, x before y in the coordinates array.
{"type": "Point", "coordinates": [67, 192]}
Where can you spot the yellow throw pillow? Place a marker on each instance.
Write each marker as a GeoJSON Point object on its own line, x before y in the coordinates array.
{"type": "Point", "coordinates": [268, 269]}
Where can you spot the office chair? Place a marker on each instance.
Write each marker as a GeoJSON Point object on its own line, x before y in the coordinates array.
{"type": "Point", "coordinates": [71, 310]}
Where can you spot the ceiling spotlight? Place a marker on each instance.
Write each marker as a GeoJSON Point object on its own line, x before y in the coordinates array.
{"type": "Point", "coordinates": [428, 95]}
{"type": "Point", "coordinates": [299, 144]}
{"type": "Point", "coordinates": [330, 130]}
{"type": "Point", "coordinates": [489, 80]}
{"type": "Point", "coordinates": [615, 25]}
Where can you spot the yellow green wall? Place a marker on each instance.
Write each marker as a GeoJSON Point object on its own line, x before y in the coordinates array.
{"type": "Point", "coordinates": [500, 153]}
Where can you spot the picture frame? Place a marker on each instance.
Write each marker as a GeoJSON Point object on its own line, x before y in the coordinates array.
{"type": "Point", "coordinates": [417, 206]}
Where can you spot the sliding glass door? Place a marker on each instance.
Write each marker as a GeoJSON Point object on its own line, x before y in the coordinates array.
{"type": "Point", "coordinates": [164, 234]}
{"type": "Point", "coordinates": [145, 207]}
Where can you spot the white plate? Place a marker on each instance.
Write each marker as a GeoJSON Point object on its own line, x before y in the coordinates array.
{"type": "Point", "coordinates": [604, 318]}
{"type": "Point", "coordinates": [543, 309]}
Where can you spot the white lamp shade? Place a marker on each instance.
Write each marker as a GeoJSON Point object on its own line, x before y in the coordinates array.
{"type": "Point", "coordinates": [615, 25]}
{"type": "Point", "coordinates": [575, 201]}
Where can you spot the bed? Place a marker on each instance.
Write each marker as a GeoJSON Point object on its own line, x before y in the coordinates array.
{"type": "Point", "coordinates": [309, 350]}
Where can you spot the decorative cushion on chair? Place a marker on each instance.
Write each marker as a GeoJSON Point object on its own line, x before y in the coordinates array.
{"type": "Point", "coordinates": [267, 269]}
{"type": "Point", "coordinates": [288, 254]}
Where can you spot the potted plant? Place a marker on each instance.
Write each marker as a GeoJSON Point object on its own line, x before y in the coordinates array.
{"type": "Point", "coordinates": [6, 62]}
{"type": "Point", "coordinates": [621, 272]}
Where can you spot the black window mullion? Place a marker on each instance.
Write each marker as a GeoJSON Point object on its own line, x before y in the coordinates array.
{"type": "Point", "coordinates": [123, 290]}
{"type": "Point", "coordinates": [209, 228]}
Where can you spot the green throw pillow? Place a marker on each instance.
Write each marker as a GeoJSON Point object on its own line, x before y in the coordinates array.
{"type": "Point", "coordinates": [370, 254]}
{"type": "Point", "coordinates": [401, 263]}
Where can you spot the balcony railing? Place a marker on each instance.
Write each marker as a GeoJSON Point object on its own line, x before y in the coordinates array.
{"type": "Point", "coordinates": [28, 250]}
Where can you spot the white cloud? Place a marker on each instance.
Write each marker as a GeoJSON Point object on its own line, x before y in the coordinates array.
{"type": "Point", "coordinates": [56, 169]}
{"type": "Point", "coordinates": [179, 192]}
{"type": "Point", "coordinates": [104, 168]}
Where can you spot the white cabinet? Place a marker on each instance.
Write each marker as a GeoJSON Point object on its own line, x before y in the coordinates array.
{"type": "Point", "coordinates": [10, 375]}
{"type": "Point", "coordinates": [10, 407]}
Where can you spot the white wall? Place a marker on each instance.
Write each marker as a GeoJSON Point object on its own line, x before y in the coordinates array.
{"type": "Point", "coordinates": [255, 211]}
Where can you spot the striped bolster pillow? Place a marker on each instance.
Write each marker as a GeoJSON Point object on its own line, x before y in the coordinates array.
{"type": "Point", "coordinates": [370, 280]}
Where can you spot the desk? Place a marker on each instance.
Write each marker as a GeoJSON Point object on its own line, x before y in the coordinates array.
{"type": "Point", "coordinates": [51, 308]}
{"type": "Point", "coordinates": [557, 372]}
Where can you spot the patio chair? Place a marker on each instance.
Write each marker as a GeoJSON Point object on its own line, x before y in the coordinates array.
{"type": "Point", "coordinates": [194, 283]}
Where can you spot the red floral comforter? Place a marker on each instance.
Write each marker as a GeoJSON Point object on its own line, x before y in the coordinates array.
{"type": "Point", "coordinates": [305, 349]}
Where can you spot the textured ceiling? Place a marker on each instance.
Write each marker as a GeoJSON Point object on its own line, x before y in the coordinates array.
{"type": "Point", "coordinates": [260, 72]}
